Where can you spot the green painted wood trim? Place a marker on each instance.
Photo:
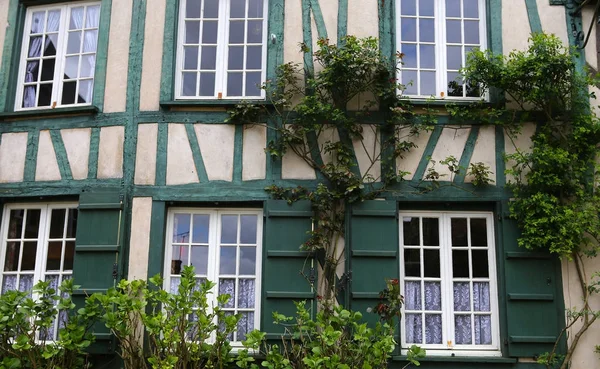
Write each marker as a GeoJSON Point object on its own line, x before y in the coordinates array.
{"type": "Point", "coordinates": [342, 25]}
{"type": "Point", "coordinates": [289, 295]}
{"type": "Point", "coordinates": [102, 206]}
{"type": "Point", "coordinates": [426, 157]}
{"type": "Point", "coordinates": [156, 251]}
{"type": "Point", "coordinates": [533, 339]}
{"type": "Point", "coordinates": [558, 2]}
{"type": "Point", "coordinates": [64, 122]}
{"type": "Point", "coordinates": [318, 16]}
{"type": "Point", "coordinates": [238, 151]}
{"type": "Point", "coordinates": [530, 297]}
{"type": "Point", "coordinates": [93, 156]}
{"type": "Point", "coordinates": [161, 154]}
{"type": "Point", "coordinates": [33, 138]}
{"type": "Point", "coordinates": [97, 248]}
{"type": "Point", "coordinates": [574, 24]}
{"type": "Point", "coordinates": [464, 359]}
{"type": "Point", "coordinates": [196, 154]}
{"type": "Point", "coordinates": [494, 16]}
{"type": "Point", "coordinates": [467, 154]}
{"type": "Point", "coordinates": [374, 213]}
{"type": "Point", "coordinates": [387, 42]}
{"type": "Point", "coordinates": [500, 162]}
{"type": "Point", "coordinates": [535, 24]}
{"type": "Point", "coordinates": [65, 188]}
{"type": "Point", "coordinates": [89, 291]}
{"type": "Point", "coordinates": [315, 154]}
{"type": "Point", "coordinates": [276, 26]}
{"type": "Point", "coordinates": [365, 295]}
{"type": "Point", "coordinates": [9, 51]}
{"type": "Point", "coordinates": [61, 154]}
{"type": "Point", "coordinates": [274, 164]}
{"type": "Point", "coordinates": [45, 113]}
{"type": "Point", "coordinates": [102, 54]}
{"type": "Point", "coordinates": [167, 79]}
{"type": "Point", "coordinates": [289, 213]}
{"type": "Point", "coordinates": [309, 67]}
{"type": "Point", "coordinates": [374, 253]}
{"type": "Point", "coordinates": [287, 254]}
{"type": "Point", "coordinates": [527, 255]}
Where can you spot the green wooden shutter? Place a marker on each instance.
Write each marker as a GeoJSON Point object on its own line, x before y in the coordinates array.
{"type": "Point", "coordinates": [285, 267]}
{"type": "Point", "coordinates": [99, 239]}
{"type": "Point", "coordinates": [534, 310]}
{"type": "Point", "coordinates": [373, 252]}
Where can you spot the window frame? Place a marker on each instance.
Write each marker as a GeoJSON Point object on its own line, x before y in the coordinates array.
{"type": "Point", "coordinates": [446, 285]}
{"type": "Point", "coordinates": [221, 55]}
{"type": "Point", "coordinates": [440, 46]}
{"type": "Point", "coordinates": [213, 274]}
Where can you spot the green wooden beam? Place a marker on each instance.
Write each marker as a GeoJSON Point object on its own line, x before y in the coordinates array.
{"type": "Point", "coordinates": [318, 16]}
{"type": "Point", "coordinates": [102, 54]}
{"type": "Point", "coordinates": [500, 162]}
{"type": "Point", "coordinates": [168, 56]}
{"type": "Point", "coordinates": [61, 154]}
{"type": "Point", "coordinates": [156, 251]}
{"type": "Point", "coordinates": [161, 154]}
{"type": "Point", "coordinates": [33, 139]}
{"type": "Point", "coordinates": [14, 19]}
{"type": "Point", "coordinates": [467, 153]}
{"type": "Point", "coordinates": [93, 155]}
{"type": "Point", "coordinates": [238, 151]}
{"type": "Point", "coordinates": [196, 154]}
{"type": "Point", "coordinates": [426, 157]}
{"type": "Point", "coordinates": [274, 164]}
{"type": "Point", "coordinates": [309, 67]}
{"type": "Point", "coordinates": [342, 26]}
{"type": "Point", "coordinates": [535, 24]}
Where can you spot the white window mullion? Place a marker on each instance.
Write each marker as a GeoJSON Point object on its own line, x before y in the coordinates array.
{"type": "Point", "coordinates": [222, 50]}
{"type": "Point", "coordinates": [61, 50]}
{"type": "Point", "coordinates": [441, 49]}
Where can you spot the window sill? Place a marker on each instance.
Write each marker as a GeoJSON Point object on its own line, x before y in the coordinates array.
{"type": "Point", "coordinates": [48, 113]}
{"type": "Point", "coordinates": [446, 102]}
{"type": "Point", "coordinates": [463, 359]}
{"type": "Point", "coordinates": [207, 105]}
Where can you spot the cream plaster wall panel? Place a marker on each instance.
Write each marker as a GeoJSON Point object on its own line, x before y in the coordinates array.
{"type": "Point", "coordinates": [152, 57]}
{"type": "Point", "coordinates": [139, 241]}
{"type": "Point", "coordinates": [363, 18]}
{"type": "Point", "coordinates": [591, 54]}
{"type": "Point", "coordinates": [13, 149]}
{"type": "Point", "coordinates": [554, 20]}
{"type": "Point", "coordinates": [46, 165]}
{"type": "Point", "coordinates": [216, 146]}
{"type": "Point", "coordinates": [3, 24]}
{"type": "Point", "coordinates": [585, 355]}
{"type": "Point", "coordinates": [595, 103]}
{"type": "Point", "coordinates": [254, 158]}
{"type": "Point", "coordinates": [292, 33]}
{"type": "Point", "coordinates": [329, 9]}
{"type": "Point", "coordinates": [410, 160]}
{"type": "Point", "coordinates": [145, 158]}
{"type": "Point", "coordinates": [329, 134]}
{"type": "Point", "coordinates": [77, 146]}
{"type": "Point", "coordinates": [485, 150]}
{"type": "Point", "coordinates": [115, 94]}
{"type": "Point", "coordinates": [515, 26]}
{"type": "Point", "coordinates": [522, 141]}
{"type": "Point", "coordinates": [180, 163]}
{"type": "Point", "coordinates": [294, 167]}
{"type": "Point", "coordinates": [451, 143]}
{"type": "Point", "coordinates": [110, 154]}
{"type": "Point", "coordinates": [367, 153]}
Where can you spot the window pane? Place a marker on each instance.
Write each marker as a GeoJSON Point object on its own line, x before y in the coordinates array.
{"type": "Point", "coordinates": [192, 8]}
{"type": "Point", "coordinates": [234, 84]}
{"type": "Point", "coordinates": [455, 84]}
{"type": "Point", "coordinates": [54, 256]}
{"type": "Point", "coordinates": [453, 31]}
{"type": "Point", "coordinates": [433, 328]}
{"type": "Point", "coordinates": [248, 260]}
{"type": "Point", "coordinates": [53, 21]}
{"type": "Point", "coordinates": [209, 57]}
{"type": "Point", "coordinates": [69, 255]}
{"type": "Point", "coordinates": [462, 296]}
{"type": "Point", "coordinates": [471, 8]}
{"type": "Point", "coordinates": [480, 264]}
{"type": "Point", "coordinates": [76, 21]}
{"type": "Point", "coordinates": [227, 286]}
{"type": "Point", "coordinates": [201, 224]}
{"type": "Point", "coordinates": [229, 224]}
{"type": "Point", "coordinates": [248, 228]}
{"type": "Point", "coordinates": [409, 80]}
{"type": "Point", "coordinates": [9, 283]}
{"type": "Point", "coordinates": [71, 67]}
{"type": "Point", "coordinates": [235, 58]}
{"type": "Point", "coordinates": [37, 22]}
{"type": "Point", "coordinates": [410, 228]}
{"type": "Point", "coordinates": [227, 260]}
{"type": "Point", "coordinates": [26, 283]}
{"type": "Point", "coordinates": [199, 259]}
{"type": "Point", "coordinates": [433, 296]}
{"type": "Point", "coordinates": [412, 262]}
{"type": "Point", "coordinates": [245, 325]}
{"type": "Point", "coordinates": [481, 296]}
{"type": "Point", "coordinates": [192, 32]}
{"type": "Point", "coordinates": [35, 47]}
{"type": "Point", "coordinates": [471, 32]}
{"type": "Point", "coordinates": [408, 29]}
{"type": "Point", "coordinates": [254, 57]}
{"type": "Point", "coordinates": [179, 259]}
{"type": "Point", "coordinates": [236, 32]}
{"type": "Point", "coordinates": [453, 8]}
{"type": "Point", "coordinates": [237, 9]}
{"type": "Point", "coordinates": [410, 55]}
{"type": "Point", "coordinates": [460, 263]}
{"type": "Point", "coordinates": [211, 8]}
{"type": "Point", "coordinates": [483, 330]}
{"type": "Point", "coordinates": [454, 57]}
{"type": "Point", "coordinates": [47, 70]}
{"type": "Point", "coordinates": [427, 56]}
{"type": "Point", "coordinates": [246, 293]}
{"type": "Point", "coordinates": [408, 7]}
{"type": "Point", "coordinates": [72, 223]}
{"type": "Point", "coordinates": [90, 41]}
{"type": "Point", "coordinates": [189, 84]}
{"type": "Point", "coordinates": [174, 285]}
{"type": "Point", "coordinates": [253, 82]}
{"type": "Point", "coordinates": [255, 8]}
{"type": "Point", "coordinates": [428, 86]}
{"type": "Point", "coordinates": [181, 228]}
{"type": "Point", "coordinates": [426, 30]}
{"type": "Point", "coordinates": [459, 231]}
{"type": "Point", "coordinates": [29, 252]}
{"type": "Point", "coordinates": [32, 224]}
{"type": "Point", "coordinates": [92, 16]}
{"type": "Point", "coordinates": [32, 74]}
{"type": "Point", "coordinates": [68, 93]}
{"type": "Point", "coordinates": [414, 328]}
{"type": "Point", "coordinates": [45, 95]}
{"type": "Point", "coordinates": [11, 260]}
{"type": "Point", "coordinates": [207, 84]}
{"type": "Point", "coordinates": [431, 229]}
{"type": "Point", "coordinates": [85, 91]}
{"type": "Point", "coordinates": [255, 31]}
{"type": "Point", "coordinates": [426, 8]}
{"type": "Point", "coordinates": [412, 295]}
{"type": "Point", "coordinates": [88, 64]}
{"type": "Point", "coordinates": [15, 226]}
{"type": "Point", "coordinates": [50, 44]}
{"type": "Point", "coordinates": [209, 32]}
{"type": "Point", "coordinates": [462, 329]}
{"type": "Point", "coordinates": [432, 263]}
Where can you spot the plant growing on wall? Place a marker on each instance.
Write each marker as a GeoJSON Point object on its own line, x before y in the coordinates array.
{"type": "Point", "coordinates": [556, 201]}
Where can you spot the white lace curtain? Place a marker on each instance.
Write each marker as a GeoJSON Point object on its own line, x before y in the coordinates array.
{"type": "Point", "coordinates": [414, 324]}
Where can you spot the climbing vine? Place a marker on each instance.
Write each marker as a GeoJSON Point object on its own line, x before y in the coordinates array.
{"type": "Point", "coordinates": [556, 202]}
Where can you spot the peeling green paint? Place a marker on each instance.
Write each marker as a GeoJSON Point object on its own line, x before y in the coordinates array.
{"type": "Point", "coordinates": [161, 154]}
{"type": "Point", "coordinates": [33, 139]}
{"type": "Point", "coordinates": [318, 16]}
{"type": "Point", "coordinates": [465, 158]}
{"type": "Point", "coordinates": [426, 157]}
{"type": "Point", "coordinates": [238, 150]}
{"type": "Point", "coordinates": [275, 46]}
{"type": "Point", "coordinates": [535, 23]}
{"type": "Point", "coordinates": [55, 188]}
{"type": "Point", "coordinates": [342, 25]}
{"type": "Point", "coordinates": [61, 154]}
{"type": "Point", "coordinates": [196, 154]}
{"type": "Point", "coordinates": [93, 156]}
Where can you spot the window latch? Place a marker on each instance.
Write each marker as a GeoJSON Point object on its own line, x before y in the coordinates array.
{"type": "Point", "coordinates": [115, 273]}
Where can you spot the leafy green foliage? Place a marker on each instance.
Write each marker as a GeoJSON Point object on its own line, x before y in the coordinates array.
{"type": "Point", "coordinates": [27, 328]}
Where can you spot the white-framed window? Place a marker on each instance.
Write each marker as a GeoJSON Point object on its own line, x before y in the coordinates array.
{"type": "Point", "coordinates": [221, 49]}
{"type": "Point", "coordinates": [58, 56]}
{"type": "Point", "coordinates": [448, 273]}
{"type": "Point", "coordinates": [434, 37]}
{"type": "Point", "coordinates": [224, 246]}
{"type": "Point", "coordinates": [38, 243]}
